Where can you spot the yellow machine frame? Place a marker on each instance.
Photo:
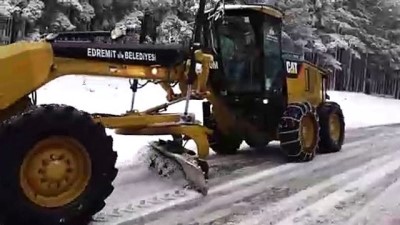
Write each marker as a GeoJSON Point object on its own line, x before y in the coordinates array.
{"type": "Point", "coordinates": [308, 85]}
{"type": "Point", "coordinates": [149, 122]}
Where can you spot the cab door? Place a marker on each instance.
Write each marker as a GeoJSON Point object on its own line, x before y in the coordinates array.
{"type": "Point", "coordinates": [273, 62]}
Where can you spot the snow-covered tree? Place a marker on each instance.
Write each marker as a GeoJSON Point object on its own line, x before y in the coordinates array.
{"type": "Point", "coordinates": [335, 34]}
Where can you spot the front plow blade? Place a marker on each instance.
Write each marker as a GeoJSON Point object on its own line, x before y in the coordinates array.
{"type": "Point", "coordinates": [190, 165]}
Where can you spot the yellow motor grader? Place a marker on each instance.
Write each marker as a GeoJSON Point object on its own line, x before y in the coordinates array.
{"type": "Point", "coordinates": [57, 163]}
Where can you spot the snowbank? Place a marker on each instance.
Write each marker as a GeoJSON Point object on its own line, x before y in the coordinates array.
{"type": "Point", "coordinates": [361, 110]}
{"type": "Point", "coordinates": [114, 96]}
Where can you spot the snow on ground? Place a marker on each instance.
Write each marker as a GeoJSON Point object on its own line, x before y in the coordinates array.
{"type": "Point", "coordinates": [113, 95]}
{"type": "Point", "coordinates": [258, 189]}
{"type": "Point", "coordinates": [361, 110]}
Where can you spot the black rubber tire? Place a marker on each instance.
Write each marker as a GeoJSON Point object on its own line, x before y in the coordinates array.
{"type": "Point", "coordinates": [289, 132]}
{"type": "Point", "coordinates": [224, 144]}
{"type": "Point", "coordinates": [21, 105]}
{"type": "Point", "coordinates": [19, 134]}
{"type": "Point", "coordinates": [326, 144]}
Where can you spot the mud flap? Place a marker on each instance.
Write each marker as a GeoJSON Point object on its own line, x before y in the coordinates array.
{"type": "Point", "coordinates": [192, 168]}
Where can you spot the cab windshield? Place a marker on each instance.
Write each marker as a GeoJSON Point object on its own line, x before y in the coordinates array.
{"type": "Point", "coordinates": [250, 49]}
{"type": "Point", "coordinates": [238, 52]}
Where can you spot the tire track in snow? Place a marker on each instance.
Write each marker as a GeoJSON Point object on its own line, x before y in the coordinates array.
{"type": "Point", "coordinates": [330, 209]}
{"type": "Point", "coordinates": [384, 209]}
{"type": "Point", "coordinates": [287, 206]}
{"type": "Point", "coordinates": [235, 190]}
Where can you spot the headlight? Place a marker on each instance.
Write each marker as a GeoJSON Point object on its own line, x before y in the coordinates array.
{"type": "Point", "coordinates": [154, 71]}
{"type": "Point", "coordinates": [199, 68]}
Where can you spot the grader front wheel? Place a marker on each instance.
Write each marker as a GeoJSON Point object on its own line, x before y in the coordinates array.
{"type": "Point", "coordinates": [55, 171]}
{"type": "Point", "coordinates": [56, 165]}
{"type": "Point", "coordinates": [221, 143]}
{"type": "Point", "coordinates": [257, 140]}
{"type": "Point", "coordinates": [299, 132]}
{"type": "Point", "coordinates": [224, 144]}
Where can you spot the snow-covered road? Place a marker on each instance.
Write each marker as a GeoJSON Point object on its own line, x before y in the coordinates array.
{"type": "Point", "coordinates": [355, 186]}
{"type": "Point", "coordinates": [260, 188]}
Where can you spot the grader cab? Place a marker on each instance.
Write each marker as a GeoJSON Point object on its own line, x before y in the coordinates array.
{"type": "Point", "coordinates": [57, 164]}
{"type": "Point", "coordinates": [260, 95]}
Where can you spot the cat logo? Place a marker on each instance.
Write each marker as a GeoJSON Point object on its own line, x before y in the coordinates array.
{"type": "Point", "coordinates": [291, 67]}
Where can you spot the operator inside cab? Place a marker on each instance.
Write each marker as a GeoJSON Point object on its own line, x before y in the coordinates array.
{"type": "Point", "coordinates": [238, 50]}
{"type": "Point", "coordinates": [250, 48]}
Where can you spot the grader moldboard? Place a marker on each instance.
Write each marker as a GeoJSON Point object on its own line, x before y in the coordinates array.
{"type": "Point", "coordinates": [57, 164]}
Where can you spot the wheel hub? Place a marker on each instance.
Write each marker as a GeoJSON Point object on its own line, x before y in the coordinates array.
{"type": "Point", "coordinates": [334, 127]}
{"type": "Point", "coordinates": [307, 131]}
{"type": "Point", "coordinates": [55, 172]}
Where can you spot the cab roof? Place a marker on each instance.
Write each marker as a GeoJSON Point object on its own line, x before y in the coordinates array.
{"type": "Point", "coordinates": [269, 10]}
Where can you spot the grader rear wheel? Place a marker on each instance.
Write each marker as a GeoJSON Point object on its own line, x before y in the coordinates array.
{"type": "Point", "coordinates": [299, 132]}
{"type": "Point", "coordinates": [332, 127]}
{"type": "Point", "coordinates": [56, 165]}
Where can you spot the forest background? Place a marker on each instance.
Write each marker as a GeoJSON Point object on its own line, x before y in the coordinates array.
{"type": "Point", "coordinates": [357, 40]}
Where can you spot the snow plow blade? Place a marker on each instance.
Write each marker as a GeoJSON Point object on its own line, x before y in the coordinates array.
{"type": "Point", "coordinates": [194, 169]}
